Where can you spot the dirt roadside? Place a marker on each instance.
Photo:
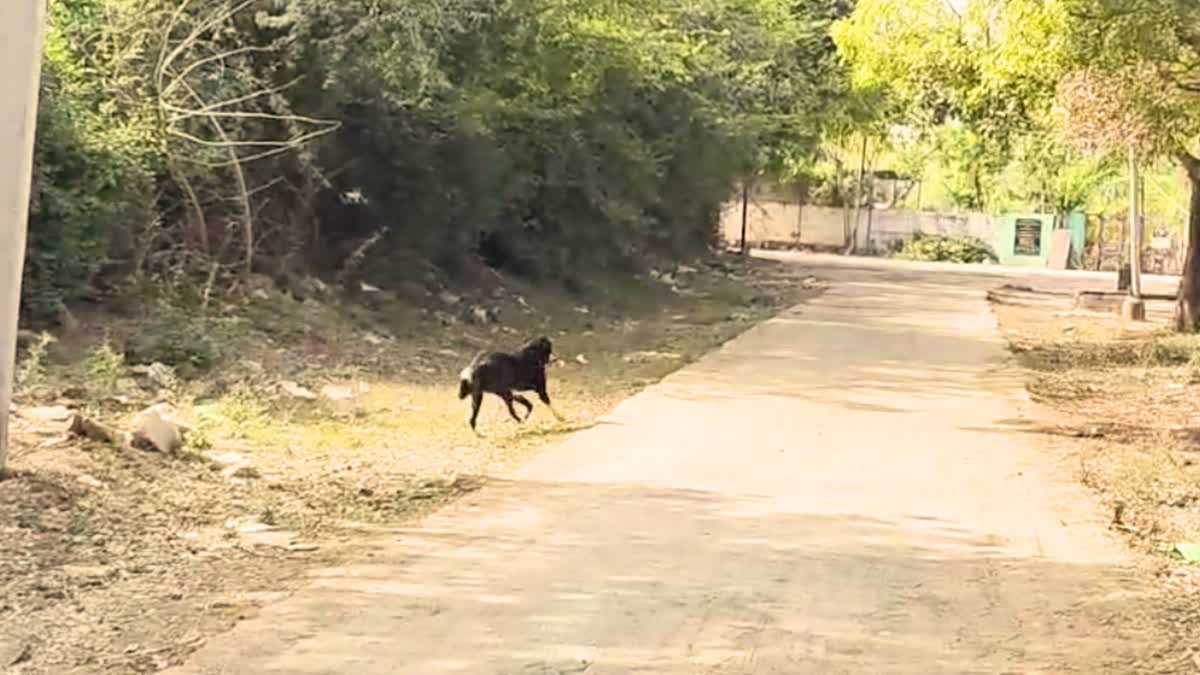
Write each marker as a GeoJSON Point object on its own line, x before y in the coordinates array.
{"type": "Point", "coordinates": [1122, 399]}
{"type": "Point", "coordinates": [124, 562]}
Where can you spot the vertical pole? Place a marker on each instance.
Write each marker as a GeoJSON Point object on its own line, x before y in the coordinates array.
{"type": "Point", "coordinates": [858, 196]}
{"type": "Point", "coordinates": [1134, 308]}
{"type": "Point", "coordinates": [20, 77]}
{"type": "Point", "coordinates": [1135, 228]}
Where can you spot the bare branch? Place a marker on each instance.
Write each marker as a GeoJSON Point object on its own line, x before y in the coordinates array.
{"type": "Point", "coordinates": [220, 57]}
{"type": "Point", "coordinates": [200, 29]}
{"type": "Point", "coordinates": [229, 143]}
{"type": "Point", "coordinates": [267, 91]}
{"type": "Point", "coordinates": [166, 41]}
{"type": "Point", "coordinates": [188, 114]}
{"type": "Point", "coordinates": [288, 147]}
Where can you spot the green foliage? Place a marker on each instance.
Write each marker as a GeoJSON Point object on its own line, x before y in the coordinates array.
{"type": "Point", "coordinates": [977, 81]}
{"type": "Point", "coordinates": [31, 362]}
{"type": "Point", "coordinates": [94, 159]}
{"type": "Point", "coordinates": [941, 248]}
{"type": "Point", "coordinates": [548, 135]}
{"type": "Point", "coordinates": [176, 338]}
{"type": "Point", "coordinates": [105, 367]}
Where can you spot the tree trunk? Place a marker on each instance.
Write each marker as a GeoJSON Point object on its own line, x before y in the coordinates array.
{"type": "Point", "coordinates": [852, 245]}
{"type": "Point", "coordinates": [745, 213]}
{"type": "Point", "coordinates": [1187, 307]}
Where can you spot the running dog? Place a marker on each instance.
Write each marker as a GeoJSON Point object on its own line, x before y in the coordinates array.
{"type": "Point", "coordinates": [505, 374]}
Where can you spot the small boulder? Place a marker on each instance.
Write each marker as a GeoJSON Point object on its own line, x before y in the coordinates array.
{"type": "Point", "coordinates": [227, 459]}
{"type": "Point", "coordinates": [153, 432]}
{"type": "Point", "coordinates": [374, 340]}
{"type": "Point", "coordinates": [87, 428]}
{"type": "Point", "coordinates": [260, 287]}
{"type": "Point", "coordinates": [156, 375]}
{"type": "Point", "coordinates": [344, 399]}
{"type": "Point", "coordinates": [485, 315]}
{"type": "Point", "coordinates": [308, 288]}
{"type": "Point", "coordinates": [57, 414]}
{"type": "Point", "coordinates": [296, 391]}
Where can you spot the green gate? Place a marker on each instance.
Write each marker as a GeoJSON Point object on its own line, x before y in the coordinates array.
{"type": "Point", "coordinates": [1023, 240]}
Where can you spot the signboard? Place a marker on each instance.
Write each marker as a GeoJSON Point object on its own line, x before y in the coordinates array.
{"type": "Point", "coordinates": [1028, 237]}
{"type": "Point", "coordinates": [1161, 242]}
{"type": "Point", "coordinates": [1060, 250]}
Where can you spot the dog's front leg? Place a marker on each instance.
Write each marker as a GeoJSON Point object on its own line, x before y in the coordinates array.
{"type": "Point", "coordinates": [545, 398]}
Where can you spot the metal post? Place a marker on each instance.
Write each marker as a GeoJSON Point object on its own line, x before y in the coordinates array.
{"type": "Point", "coordinates": [1134, 307]}
{"type": "Point", "coordinates": [21, 54]}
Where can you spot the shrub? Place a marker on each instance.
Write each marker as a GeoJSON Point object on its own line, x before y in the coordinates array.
{"type": "Point", "coordinates": [176, 339]}
{"type": "Point", "coordinates": [942, 248]}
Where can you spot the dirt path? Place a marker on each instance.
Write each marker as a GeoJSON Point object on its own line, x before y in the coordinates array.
{"type": "Point", "coordinates": [844, 489]}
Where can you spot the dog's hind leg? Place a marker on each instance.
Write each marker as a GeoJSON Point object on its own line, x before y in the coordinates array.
{"type": "Point", "coordinates": [476, 401]}
{"type": "Point", "coordinates": [508, 401]}
{"type": "Point", "coordinates": [525, 402]}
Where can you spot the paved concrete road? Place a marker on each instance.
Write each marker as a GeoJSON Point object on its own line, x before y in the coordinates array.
{"type": "Point", "coordinates": [844, 489]}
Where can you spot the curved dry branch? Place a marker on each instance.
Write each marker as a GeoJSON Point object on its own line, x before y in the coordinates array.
{"type": "Point", "coordinates": [246, 98]}
{"type": "Point", "coordinates": [180, 77]}
{"type": "Point", "coordinates": [215, 19]}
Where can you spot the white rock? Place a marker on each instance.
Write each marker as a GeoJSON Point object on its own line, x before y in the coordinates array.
{"type": "Point", "coordinates": [227, 459]}
{"type": "Point", "coordinates": [158, 374]}
{"type": "Point", "coordinates": [296, 391]}
{"type": "Point", "coordinates": [638, 357]}
{"type": "Point", "coordinates": [57, 413]}
{"type": "Point", "coordinates": [151, 431]}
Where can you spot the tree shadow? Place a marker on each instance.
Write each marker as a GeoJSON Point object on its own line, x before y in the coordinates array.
{"type": "Point", "coordinates": [619, 578]}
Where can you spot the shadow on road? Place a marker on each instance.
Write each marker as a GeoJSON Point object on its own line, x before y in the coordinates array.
{"type": "Point", "coordinates": [558, 578]}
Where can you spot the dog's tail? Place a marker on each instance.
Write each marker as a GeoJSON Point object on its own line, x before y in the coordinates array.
{"type": "Point", "coordinates": [465, 379]}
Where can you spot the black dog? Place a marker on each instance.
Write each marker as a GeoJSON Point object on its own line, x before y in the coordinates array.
{"type": "Point", "coordinates": [504, 374]}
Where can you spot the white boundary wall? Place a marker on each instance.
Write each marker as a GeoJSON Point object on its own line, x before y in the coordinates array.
{"type": "Point", "coordinates": [780, 222]}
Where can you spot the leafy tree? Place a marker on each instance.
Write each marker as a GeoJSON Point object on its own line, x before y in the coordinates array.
{"type": "Point", "coordinates": [1135, 89]}
{"type": "Point", "coordinates": [196, 140]}
{"type": "Point", "coordinates": [976, 82]}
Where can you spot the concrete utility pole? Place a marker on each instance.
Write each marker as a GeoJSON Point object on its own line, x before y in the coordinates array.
{"type": "Point", "coordinates": [20, 76]}
{"type": "Point", "coordinates": [1134, 308]}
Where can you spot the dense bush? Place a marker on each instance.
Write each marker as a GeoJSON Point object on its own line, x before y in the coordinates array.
{"type": "Point", "coordinates": [941, 248]}
{"type": "Point", "coordinates": [550, 135]}
{"type": "Point", "coordinates": [95, 161]}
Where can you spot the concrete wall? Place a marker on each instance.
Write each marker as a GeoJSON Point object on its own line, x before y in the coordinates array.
{"type": "Point", "coordinates": [785, 222]}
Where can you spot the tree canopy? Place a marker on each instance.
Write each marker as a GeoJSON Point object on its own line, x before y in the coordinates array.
{"type": "Point", "coordinates": [212, 139]}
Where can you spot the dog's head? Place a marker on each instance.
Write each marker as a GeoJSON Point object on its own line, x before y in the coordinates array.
{"type": "Point", "coordinates": [540, 349]}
